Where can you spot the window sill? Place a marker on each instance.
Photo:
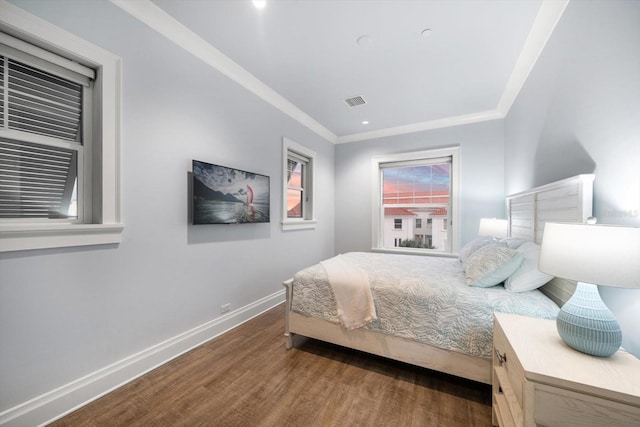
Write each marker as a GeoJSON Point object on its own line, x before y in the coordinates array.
{"type": "Point", "coordinates": [408, 251]}
{"type": "Point", "coordinates": [302, 224]}
{"type": "Point", "coordinates": [21, 237]}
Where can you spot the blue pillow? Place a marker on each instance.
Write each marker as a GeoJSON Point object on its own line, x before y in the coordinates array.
{"type": "Point", "coordinates": [491, 265]}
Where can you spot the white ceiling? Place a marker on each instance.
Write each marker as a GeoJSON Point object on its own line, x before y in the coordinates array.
{"type": "Point", "coordinates": [303, 56]}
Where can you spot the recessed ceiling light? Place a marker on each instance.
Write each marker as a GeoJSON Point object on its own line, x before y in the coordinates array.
{"type": "Point", "coordinates": [365, 122]}
{"type": "Point", "coordinates": [259, 4]}
{"type": "Point", "coordinates": [426, 32]}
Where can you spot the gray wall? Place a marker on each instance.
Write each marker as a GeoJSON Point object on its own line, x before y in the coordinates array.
{"type": "Point", "coordinates": [66, 313]}
{"type": "Point", "coordinates": [579, 112]}
{"type": "Point", "coordinates": [481, 181]}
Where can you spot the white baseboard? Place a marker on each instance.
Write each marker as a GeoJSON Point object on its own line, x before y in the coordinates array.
{"type": "Point", "coordinates": [63, 400]}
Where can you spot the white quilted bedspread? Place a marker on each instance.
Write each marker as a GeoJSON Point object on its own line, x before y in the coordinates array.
{"type": "Point", "coordinates": [423, 299]}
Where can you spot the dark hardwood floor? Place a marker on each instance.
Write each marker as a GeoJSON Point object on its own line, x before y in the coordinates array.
{"type": "Point", "coordinates": [246, 377]}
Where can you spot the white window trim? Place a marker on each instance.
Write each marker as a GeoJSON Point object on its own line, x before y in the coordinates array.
{"type": "Point", "coordinates": [377, 216]}
{"type": "Point", "coordinates": [107, 223]}
{"type": "Point", "coordinates": [309, 222]}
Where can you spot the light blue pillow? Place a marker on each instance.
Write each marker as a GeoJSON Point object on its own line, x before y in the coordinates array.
{"type": "Point", "coordinates": [491, 265]}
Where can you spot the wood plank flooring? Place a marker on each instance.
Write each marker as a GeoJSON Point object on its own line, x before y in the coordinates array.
{"type": "Point", "coordinates": [246, 377]}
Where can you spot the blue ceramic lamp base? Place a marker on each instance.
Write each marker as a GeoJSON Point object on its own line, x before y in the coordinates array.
{"type": "Point", "coordinates": [587, 325]}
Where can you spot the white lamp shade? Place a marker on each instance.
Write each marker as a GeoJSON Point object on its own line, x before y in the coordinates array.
{"type": "Point", "coordinates": [493, 227]}
{"type": "Point", "coordinates": [598, 254]}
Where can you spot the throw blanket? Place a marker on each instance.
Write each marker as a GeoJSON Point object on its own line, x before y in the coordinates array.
{"type": "Point", "coordinates": [350, 286]}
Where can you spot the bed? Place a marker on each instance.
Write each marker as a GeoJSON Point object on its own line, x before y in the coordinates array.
{"type": "Point", "coordinates": [444, 324]}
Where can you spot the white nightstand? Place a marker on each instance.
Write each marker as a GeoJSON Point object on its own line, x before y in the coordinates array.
{"type": "Point", "coordinates": [539, 380]}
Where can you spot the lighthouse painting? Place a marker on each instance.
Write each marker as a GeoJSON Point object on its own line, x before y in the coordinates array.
{"type": "Point", "coordinates": [223, 195]}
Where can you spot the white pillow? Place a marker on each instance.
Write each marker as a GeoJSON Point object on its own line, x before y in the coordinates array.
{"type": "Point", "coordinates": [491, 265]}
{"type": "Point", "coordinates": [527, 277]}
{"type": "Point", "coordinates": [514, 242]}
{"type": "Point", "coordinates": [473, 246]}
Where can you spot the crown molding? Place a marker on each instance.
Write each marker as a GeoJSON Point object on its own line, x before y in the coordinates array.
{"type": "Point", "coordinates": [545, 22]}
{"type": "Point", "coordinates": [153, 16]}
{"type": "Point", "coordinates": [464, 119]}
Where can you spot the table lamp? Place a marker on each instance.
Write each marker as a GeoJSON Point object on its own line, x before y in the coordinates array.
{"type": "Point", "coordinates": [592, 255]}
{"type": "Point", "coordinates": [493, 227]}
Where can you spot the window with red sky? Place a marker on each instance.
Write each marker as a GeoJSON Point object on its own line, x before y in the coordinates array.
{"type": "Point", "coordinates": [415, 201]}
{"type": "Point", "coordinates": [294, 192]}
{"type": "Point", "coordinates": [416, 185]}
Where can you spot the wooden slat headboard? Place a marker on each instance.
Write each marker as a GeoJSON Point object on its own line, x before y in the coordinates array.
{"type": "Point", "coordinates": [568, 200]}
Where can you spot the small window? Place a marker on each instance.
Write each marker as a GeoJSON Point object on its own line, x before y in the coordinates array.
{"type": "Point", "coordinates": [418, 222]}
{"type": "Point", "coordinates": [397, 223]}
{"type": "Point", "coordinates": [298, 186]}
{"type": "Point", "coordinates": [297, 167]}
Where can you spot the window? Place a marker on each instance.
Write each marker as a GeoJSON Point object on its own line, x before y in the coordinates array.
{"type": "Point", "coordinates": [397, 224]}
{"type": "Point", "coordinates": [425, 185]}
{"type": "Point", "coordinates": [59, 137]}
{"type": "Point", "coordinates": [298, 186]}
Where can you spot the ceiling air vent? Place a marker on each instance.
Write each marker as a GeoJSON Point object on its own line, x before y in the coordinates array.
{"type": "Point", "coordinates": [355, 101]}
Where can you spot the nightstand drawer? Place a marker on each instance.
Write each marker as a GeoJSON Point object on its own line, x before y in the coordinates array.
{"type": "Point", "coordinates": [502, 411]}
{"type": "Point", "coordinates": [508, 410]}
{"type": "Point", "coordinates": [505, 357]}
{"type": "Point", "coordinates": [559, 407]}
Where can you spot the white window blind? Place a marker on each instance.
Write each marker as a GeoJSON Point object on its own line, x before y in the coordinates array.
{"type": "Point", "coordinates": [416, 162]}
{"type": "Point", "coordinates": [37, 181]}
{"type": "Point", "coordinates": [42, 138]}
{"type": "Point", "coordinates": [42, 103]}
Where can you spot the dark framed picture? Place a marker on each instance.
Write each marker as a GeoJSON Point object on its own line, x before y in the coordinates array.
{"type": "Point", "coordinates": [223, 195]}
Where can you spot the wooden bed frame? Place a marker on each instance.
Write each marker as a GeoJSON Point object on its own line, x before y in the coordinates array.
{"type": "Point", "coordinates": [569, 200]}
